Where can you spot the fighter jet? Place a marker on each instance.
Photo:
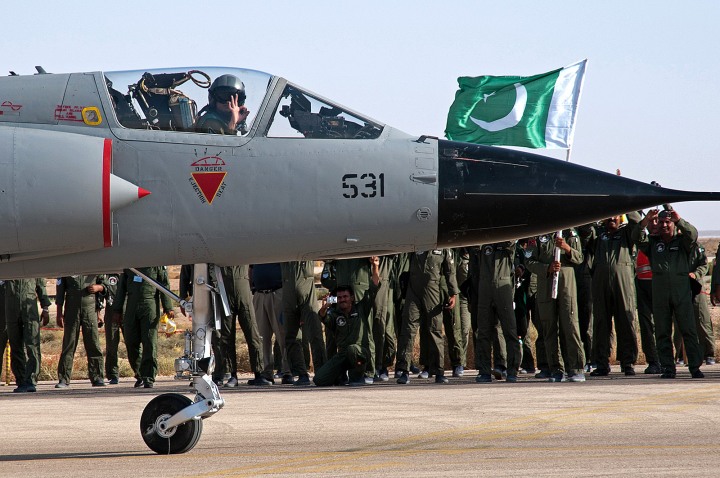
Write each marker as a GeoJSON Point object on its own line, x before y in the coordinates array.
{"type": "Point", "coordinates": [102, 171]}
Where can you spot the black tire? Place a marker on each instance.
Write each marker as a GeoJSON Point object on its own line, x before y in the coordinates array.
{"type": "Point", "coordinates": [185, 436]}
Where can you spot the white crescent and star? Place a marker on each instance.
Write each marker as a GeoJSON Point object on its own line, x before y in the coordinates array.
{"type": "Point", "coordinates": [512, 118]}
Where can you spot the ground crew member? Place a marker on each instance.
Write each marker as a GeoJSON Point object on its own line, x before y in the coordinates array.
{"type": "Point", "coordinates": [559, 316]}
{"type": "Point", "coordinates": [424, 301]}
{"type": "Point", "coordinates": [521, 304]}
{"type": "Point", "coordinates": [300, 314]}
{"type": "Point", "coordinates": [496, 265]}
{"type": "Point", "coordinates": [76, 302]}
{"type": "Point", "coordinates": [698, 269]}
{"type": "Point", "coordinates": [460, 315]}
{"type": "Point", "coordinates": [669, 255]}
{"type": "Point", "coordinates": [349, 322]}
{"type": "Point", "coordinates": [23, 328]}
{"type": "Point", "coordinates": [357, 273]}
{"type": "Point", "coordinates": [237, 287]}
{"type": "Point", "coordinates": [3, 326]}
{"type": "Point", "coordinates": [113, 329]}
{"type": "Point", "coordinates": [643, 287]}
{"type": "Point", "coordinates": [382, 328]}
{"type": "Point", "coordinates": [267, 302]}
{"type": "Point", "coordinates": [141, 303]}
{"type": "Point", "coordinates": [613, 292]}
{"type": "Point", "coordinates": [715, 281]}
{"type": "Point", "coordinates": [583, 278]}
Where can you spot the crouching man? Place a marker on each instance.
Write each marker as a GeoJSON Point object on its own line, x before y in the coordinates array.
{"type": "Point", "coordinates": [350, 323]}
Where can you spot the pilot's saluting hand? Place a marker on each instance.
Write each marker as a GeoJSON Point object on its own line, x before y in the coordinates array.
{"type": "Point", "coordinates": [239, 113]}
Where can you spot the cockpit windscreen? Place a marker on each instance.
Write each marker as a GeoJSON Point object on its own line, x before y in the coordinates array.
{"type": "Point", "coordinates": [301, 115]}
{"type": "Point", "coordinates": [172, 99]}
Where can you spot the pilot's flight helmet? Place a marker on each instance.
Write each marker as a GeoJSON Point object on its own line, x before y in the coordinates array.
{"type": "Point", "coordinates": [224, 87]}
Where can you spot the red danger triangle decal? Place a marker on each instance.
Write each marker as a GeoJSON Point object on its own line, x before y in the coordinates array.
{"type": "Point", "coordinates": [209, 183]}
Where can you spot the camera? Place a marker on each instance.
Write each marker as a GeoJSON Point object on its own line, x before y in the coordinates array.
{"type": "Point", "coordinates": [332, 299]}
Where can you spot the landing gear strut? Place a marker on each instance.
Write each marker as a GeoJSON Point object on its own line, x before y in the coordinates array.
{"type": "Point", "coordinates": [172, 423]}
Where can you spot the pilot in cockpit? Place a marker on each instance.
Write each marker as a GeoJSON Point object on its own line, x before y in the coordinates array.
{"type": "Point", "coordinates": [225, 112]}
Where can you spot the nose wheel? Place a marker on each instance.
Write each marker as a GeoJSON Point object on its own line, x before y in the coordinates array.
{"type": "Point", "coordinates": [161, 439]}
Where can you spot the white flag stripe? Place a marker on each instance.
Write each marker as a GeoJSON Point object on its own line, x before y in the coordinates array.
{"type": "Point", "coordinates": [560, 126]}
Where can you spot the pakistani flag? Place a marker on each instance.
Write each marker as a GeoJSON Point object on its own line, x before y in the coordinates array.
{"type": "Point", "coordinates": [530, 111]}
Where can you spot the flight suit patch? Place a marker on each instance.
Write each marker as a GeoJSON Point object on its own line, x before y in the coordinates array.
{"type": "Point", "coordinates": [137, 279]}
{"type": "Point", "coordinates": [660, 247]}
{"type": "Point", "coordinates": [543, 239]}
{"type": "Point", "coordinates": [112, 280]}
{"type": "Point", "coordinates": [487, 250]}
{"type": "Point", "coordinates": [437, 252]}
{"type": "Point", "coordinates": [341, 322]}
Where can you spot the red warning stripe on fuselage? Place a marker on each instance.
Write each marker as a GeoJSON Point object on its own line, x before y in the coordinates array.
{"type": "Point", "coordinates": [106, 170]}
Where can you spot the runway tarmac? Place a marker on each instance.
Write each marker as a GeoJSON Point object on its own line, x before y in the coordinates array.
{"type": "Point", "coordinates": [616, 425]}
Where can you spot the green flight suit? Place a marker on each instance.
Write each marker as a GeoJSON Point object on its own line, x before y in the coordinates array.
{"type": "Point", "coordinates": [460, 313]}
{"type": "Point", "coordinates": [141, 302]}
{"type": "Point", "coordinates": [558, 316]}
{"type": "Point", "coordinates": [613, 293]}
{"type": "Point", "coordinates": [671, 292]}
{"type": "Point", "coordinates": [398, 289]}
{"type": "Point", "coordinates": [495, 265]}
{"type": "Point", "coordinates": [113, 329]}
{"type": "Point", "coordinates": [382, 328]}
{"type": "Point", "coordinates": [706, 336]}
{"type": "Point", "coordinates": [715, 279]}
{"type": "Point", "coordinates": [424, 302]}
{"type": "Point", "coordinates": [300, 314]}
{"type": "Point", "coordinates": [216, 122]}
{"type": "Point", "coordinates": [23, 327]}
{"type": "Point", "coordinates": [237, 287]}
{"type": "Point", "coordinates": [79, 314]}
{"type": "Point", "coordinates": [352, 336]}
{"type": "Point", "coordinates": [356, 273]}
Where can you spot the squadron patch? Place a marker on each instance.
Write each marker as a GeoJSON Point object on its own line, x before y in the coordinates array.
{"type": "Point", "coordinates": [604, 236]}
{"type": "Point", "coordinates": [528, 254]}
{"type": "Point", "coordinates": [543, 239]}
{"type": "Point", "coordinates": [660, 247]}
{"type": "Point", "coordinates": [487, 250]}
{"type": "Point", "coordinates": [341, 322]}
{"type": "Point", "coordinates": [58, 281]}
{"type": "Point", "coordinates": [112, 280]}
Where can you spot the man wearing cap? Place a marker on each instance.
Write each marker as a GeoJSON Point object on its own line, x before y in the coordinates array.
{"type": "Point", "coordinates": [669, 254]}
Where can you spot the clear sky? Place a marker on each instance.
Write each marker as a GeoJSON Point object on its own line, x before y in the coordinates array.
{"type": "Point", "coordinates": [649, 104]}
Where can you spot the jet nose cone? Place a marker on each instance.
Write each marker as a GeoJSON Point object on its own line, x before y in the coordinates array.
{"type": "Point", "coordinates": [490, 194]}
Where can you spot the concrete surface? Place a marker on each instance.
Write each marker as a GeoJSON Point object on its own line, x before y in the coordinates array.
{"type": "Point", "coordinates": [631, 426]}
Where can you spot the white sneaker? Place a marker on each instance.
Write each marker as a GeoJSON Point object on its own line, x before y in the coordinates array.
{"type": "Point", "coordinates": [578, 377]}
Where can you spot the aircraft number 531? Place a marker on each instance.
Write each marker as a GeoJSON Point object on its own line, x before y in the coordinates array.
{"type": "Point", "coordinates": [367, 185]}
